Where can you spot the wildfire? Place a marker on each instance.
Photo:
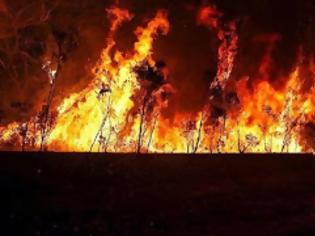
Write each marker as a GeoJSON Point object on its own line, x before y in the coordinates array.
{"type": "Point", "coordinates": [121, 109]}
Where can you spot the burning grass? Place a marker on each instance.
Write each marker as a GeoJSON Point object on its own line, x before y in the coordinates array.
{"type": "Point", "coordinates": [121, 110]}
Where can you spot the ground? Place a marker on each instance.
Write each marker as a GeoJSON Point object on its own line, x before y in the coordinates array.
{"type": "Point", "coordinates": [85, 194]}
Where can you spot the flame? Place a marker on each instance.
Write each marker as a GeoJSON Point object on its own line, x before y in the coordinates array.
{"type": "Point", "coordinates": [210, 17]}
{"type": "Point", "coordinates": [81, 116]}
{"type": "Point", "coordinates": [120, 112]}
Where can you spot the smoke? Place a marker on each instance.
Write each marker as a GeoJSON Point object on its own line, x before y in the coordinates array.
{"type": "Point", "coordinates": [24, 85]}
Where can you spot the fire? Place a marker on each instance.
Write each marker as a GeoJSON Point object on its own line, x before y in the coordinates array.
{"type": "Point", "coordinates": [102, 110]}
{"type": "Point", "coordinates": [210, 17]}
{"type": "Point", "coordinates": [121, 109]}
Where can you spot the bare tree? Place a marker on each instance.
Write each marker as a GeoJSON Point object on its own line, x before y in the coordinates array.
{"type": "Point", "coordinates": [153, 94]}
{"type": "Point", "coordinates": [18, 57]}
{"type": "Point", "coordinates": [12, 35]}
{"type": "Point", "coordinates": [66, 42]}
{"type": "Point", "coordinates": [221, 142]}
{"type": "Point", "coordinates": [111, 131]}
{"type": "Point", "coordinates": [211, 134]}
{"type": "Point", "coordinates": [152, 131]}
{"type": "Point", "coordinates": [199, 134]}
{"type": "Point", "coordinates": [23, 131]}
{"type": "Point", "coordinates": [239, 141]}
{"type": "Point", "coordinates": [103, 92]}
{"type": "Point", "coordinates": [189, 131]}
{"type": "Point", "coordinates": [142, 113]}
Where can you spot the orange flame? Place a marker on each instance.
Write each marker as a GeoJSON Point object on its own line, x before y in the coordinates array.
{"type": "Point", "coordinates": [106, 116]}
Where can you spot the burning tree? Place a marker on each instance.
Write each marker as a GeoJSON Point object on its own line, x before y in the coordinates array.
{"type": "Point", "coordinates": [153, 97]}
{"type": "Point", "coordinates": [108, 113]}
{"type": "Point", "coordinates": [121, 109]}
{"type": "Point", "coordinates": [192, 131]}
{"type": "Point", "coordinates": [308, 136]}
{"type": "Point", "coordinates": [66, 41]}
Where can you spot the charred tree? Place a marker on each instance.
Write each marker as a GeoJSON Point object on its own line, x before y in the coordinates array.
{"type": "Point", "coordinates": [199, 134]}
{"type": "Point", "coordinates": [105, 89]}
{"type": "Point", "coordinates": [66, 42]}
{"type": "Point", "coordinates": [152, 132]}
{"type": "Point", "coordinates": [154, 91]}
{"type": "Point", "coordinates": [23, 131]}
{"type": "Point", "coordinates": [142, 113]}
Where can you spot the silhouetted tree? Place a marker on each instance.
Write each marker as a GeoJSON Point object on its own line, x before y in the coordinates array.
{"type": "Point", "coordinates": [66, 42]}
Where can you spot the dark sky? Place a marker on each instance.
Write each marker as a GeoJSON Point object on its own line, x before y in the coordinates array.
{"type": "Point", "coordinates": [190, 51]}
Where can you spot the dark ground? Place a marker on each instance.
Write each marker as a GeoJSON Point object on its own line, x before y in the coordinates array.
{"type": "Point", "coordinates": [70, 194]}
